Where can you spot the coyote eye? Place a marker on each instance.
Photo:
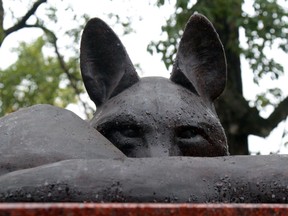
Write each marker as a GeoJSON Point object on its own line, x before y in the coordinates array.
{"type": "Point", "coordinates": [191, 141]}
{"type": "Point", "coordinates": [126, 138]}
{"type": "Point", "coordinates": [186, 133]}
{"type": "Point", "coordinates": [130, 132]}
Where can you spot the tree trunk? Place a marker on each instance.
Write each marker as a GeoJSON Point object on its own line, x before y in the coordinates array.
{"type": "Point", "coordinates": [232, 123]}
{"type": "Point", "coordinates": [2, 33]}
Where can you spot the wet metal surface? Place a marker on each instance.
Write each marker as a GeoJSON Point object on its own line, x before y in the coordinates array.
{"type": "Point", "coordinates": [71, 209]}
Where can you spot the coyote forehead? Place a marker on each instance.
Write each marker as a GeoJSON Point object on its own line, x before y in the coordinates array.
{"type": "Point", "coordinates": [157, 96]}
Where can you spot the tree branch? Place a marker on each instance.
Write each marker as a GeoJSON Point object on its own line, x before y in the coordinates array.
{"type": "Point", "coordinates": [62, 64]}
{"type": "Point", "coordinates": [1, 14]}
{"type": "Point", "coordinates": [22, 22]}
{"type": "Point", "coordinates": [2, 33]}
{"type": "Point", "coordinates": [262, 127]}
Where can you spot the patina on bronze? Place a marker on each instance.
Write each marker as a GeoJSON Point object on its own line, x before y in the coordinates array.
{"type": "Point", "coordinates": [153, 116]}
{"type": "Point", "coordinates": [49, 154]}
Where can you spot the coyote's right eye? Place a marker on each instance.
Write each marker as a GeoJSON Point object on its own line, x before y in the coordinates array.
{"type": "Point", "coordinates": [126, 137]}
{"type": "Point", "coordinates": [130, 132]}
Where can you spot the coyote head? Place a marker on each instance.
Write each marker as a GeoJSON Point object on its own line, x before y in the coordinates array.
{"type": "Point", "coordinates": [153, 116]}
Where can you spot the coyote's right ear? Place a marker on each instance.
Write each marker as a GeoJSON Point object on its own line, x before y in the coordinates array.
{"type": "Point", "coordinates": [105, 65]}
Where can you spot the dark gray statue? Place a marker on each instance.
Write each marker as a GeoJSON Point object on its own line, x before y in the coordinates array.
{"type": "Point", "coordinates": [156, 117]}
{"type": "Point", "coordinates": [49, 154]}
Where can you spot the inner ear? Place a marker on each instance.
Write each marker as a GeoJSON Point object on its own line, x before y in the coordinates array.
{"type": "Point", "coordinates": [201, 59]}
{"type": "Point", "coordinates": [105, 65]}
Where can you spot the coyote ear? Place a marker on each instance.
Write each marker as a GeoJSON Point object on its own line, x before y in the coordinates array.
{"type": "Point", "coordinates": [200, 62]}
{"type": "Point", "coordinates": [105, 65]}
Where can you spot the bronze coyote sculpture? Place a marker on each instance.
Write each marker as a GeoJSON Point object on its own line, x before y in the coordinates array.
{"type": "Point", "coordinates": [155, 116]}
{"type": "Point", "coordinates": [49, 154]}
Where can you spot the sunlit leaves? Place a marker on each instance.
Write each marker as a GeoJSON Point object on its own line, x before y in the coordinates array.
{"type": "Point", "coordinates": [34, 79]}
{"type": "Point", "coordinates": [125, 23]}
{"type": "Point", "coordinates": [51, 14]}
{"type": "Point", "coordinates": [266, 27]}
{"type": "Point", "coordinates": [47, 70]}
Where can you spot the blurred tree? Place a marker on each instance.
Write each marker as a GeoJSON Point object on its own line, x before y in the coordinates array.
{"type": "Point", "coordinates": [36, 78]}
{"type": "Point", "coordinates": [20, 23]}
{"type": "Point", "coordinates": [266, 26]}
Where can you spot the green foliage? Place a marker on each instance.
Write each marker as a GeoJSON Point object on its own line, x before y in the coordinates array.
{"type": "Point", "coordinates": [267, 26]}
{"type": "Point", "coordinates": [269, 97]}
{"type": "Point", "coordinates": [214, 10]}
{"type": "Point", "coordinates": [125, 23]}
{"type": "Point", "coordinates": [35, 79]}
{"type": "Point", "coordinates": [264, 27]}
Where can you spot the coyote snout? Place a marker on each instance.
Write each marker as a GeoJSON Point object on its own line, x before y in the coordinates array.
{"type": "Point", "coordinates": [153, 116]}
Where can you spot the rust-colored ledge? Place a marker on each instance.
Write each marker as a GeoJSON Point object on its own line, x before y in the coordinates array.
{"type": "Point", "coordinates": [98, 209]}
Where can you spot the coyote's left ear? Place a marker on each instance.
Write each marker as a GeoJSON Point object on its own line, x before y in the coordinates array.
{"type": "Point", "coordinates": [200, 62]}
{"type": "Point", "coordinates": [105, 65]}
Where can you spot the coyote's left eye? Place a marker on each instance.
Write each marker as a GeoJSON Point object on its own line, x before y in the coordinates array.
{"type": "Point", "coordinates": [191, 140]}
{"type": "Point", "coordinates": [186, 133]}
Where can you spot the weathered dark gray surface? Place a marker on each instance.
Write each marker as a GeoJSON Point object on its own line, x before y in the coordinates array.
{"type": "Point", "coordinates": [45, 134]}
{"type": "Point", "coordinates": [243, 179]}
{"type": "Point", "coordinates": [157, 117]}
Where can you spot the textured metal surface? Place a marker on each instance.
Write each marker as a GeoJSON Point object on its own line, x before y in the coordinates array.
{"type": "Point", "coordinates": [154, 116]}
{"type": "Point", "coordinates": [71, 209]}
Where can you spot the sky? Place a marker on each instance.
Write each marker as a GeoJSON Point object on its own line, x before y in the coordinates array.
{"type": "Point", "coordinates": [146, 21]}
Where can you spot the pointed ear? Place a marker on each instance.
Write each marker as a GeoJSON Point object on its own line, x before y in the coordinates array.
{"type": "Point", "coordinates": [200, 62]}
{"type": "Point", "coordinates": [105, 65]}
